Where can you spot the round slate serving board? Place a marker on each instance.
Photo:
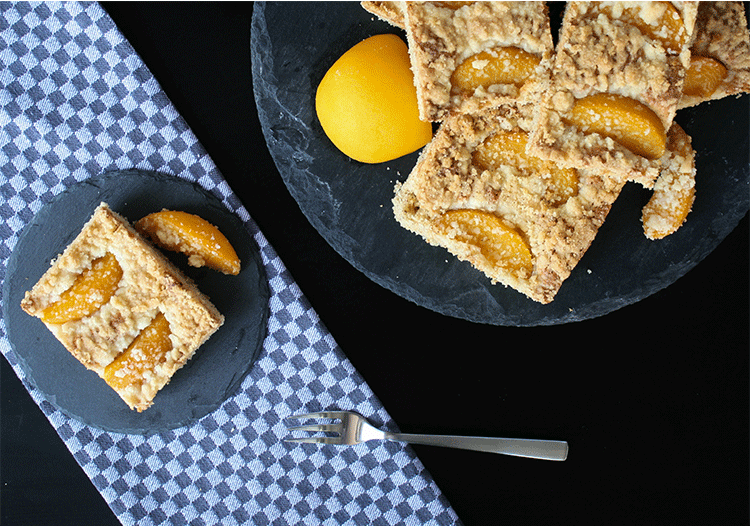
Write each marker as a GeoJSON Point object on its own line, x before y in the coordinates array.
{"type": "Point", "coordinates": [349, 203]}
{"type": "Point", "coordinates": [218, 367]}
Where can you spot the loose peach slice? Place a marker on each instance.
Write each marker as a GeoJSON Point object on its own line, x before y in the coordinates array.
{"type": "Point", "coordinates": [501, 65]}
{"type": "Point", "coordinates": [92, 289]}
{"type": "Point", "coordinates": [190, 234]}
{"type": "Point", "coordinates": [659, 21]}
{"type": "Point", "coordinates": [667, 209]}
{"type": "Point", "coordinates": [703, 77]}
{"type": "Point", "coordinates": [625, 120]}
{"type": "Point", "coordinates": [145, 352]}
{"type": "Point", "coordinates": [500, 244]}
{"type": "Point", "coordinates": [674, 189]}
{"type": "Point", "coordinates": [505, 148]}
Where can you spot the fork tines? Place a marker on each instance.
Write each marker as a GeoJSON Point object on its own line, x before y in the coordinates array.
{"type": "Point", "coordinates": [323, 428]}
{"type": "Point", "coordinates": [317, 428]}
{"type": "Point", "coordinates": [319, 414]}
{"type": "Point", "coordinates": [314, 440]}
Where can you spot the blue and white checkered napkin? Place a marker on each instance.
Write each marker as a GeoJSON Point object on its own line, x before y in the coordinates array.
{"type": "Point", "coordinates": [77, 101]}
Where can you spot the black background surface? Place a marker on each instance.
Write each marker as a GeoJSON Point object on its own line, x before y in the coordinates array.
{"type": "Point", "coordinates": [652, 398]}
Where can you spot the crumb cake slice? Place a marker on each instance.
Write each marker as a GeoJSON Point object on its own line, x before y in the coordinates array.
{"type": "Point", "coordinates": [122, 309]}
{"type": "Point", "coordinates": [614, 86]}
{"type": "Point", "coordinates": [522, 221]}
{"type": "Point", "coordinates": [720, 54]}
{"type": "Point", "coordinates": [467, 56]}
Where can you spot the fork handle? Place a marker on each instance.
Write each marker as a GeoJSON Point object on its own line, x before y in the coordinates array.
{"type": "Point", "coordinates": [517, 447]}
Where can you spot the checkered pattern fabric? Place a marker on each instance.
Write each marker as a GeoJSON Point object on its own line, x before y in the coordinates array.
{"type": "Point", "coordinates": [77, 101]}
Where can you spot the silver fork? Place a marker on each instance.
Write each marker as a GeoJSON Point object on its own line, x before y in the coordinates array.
{"type": "Point", "coordinates": [353, 428]}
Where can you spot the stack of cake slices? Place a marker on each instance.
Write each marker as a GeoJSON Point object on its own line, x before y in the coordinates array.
{"type": "Point", "coordinates": [536, 142]}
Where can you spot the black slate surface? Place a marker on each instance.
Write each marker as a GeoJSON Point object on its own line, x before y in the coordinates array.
{"type": "Point", "coordinates": [639, 420]}
{"type": "Point", "coordinates": [218, 367]}
{"type": "Point", "coordinates": [349, 203]}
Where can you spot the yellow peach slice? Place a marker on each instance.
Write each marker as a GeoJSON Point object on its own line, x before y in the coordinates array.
{"type": "Point", "coordinates": [624, 120]}
{"type": "Point", "coordinates": [501, 65]}
{"type": "Point", "coordinates": [145, 352]}
{"type": "Point", "coordinates": [500, 244]}
{"type": "Point", "coordinates": [190, 234]}
{"type": "Point", "coordinates": [509, 148]}
{"type": "Point", "coordinates": [659, 21]}
{"type": "Point", "coordinates": [452, 5]}
{"type": "Point", "coordinates": [504, 148]}
{"type": "Point", "coordinates": [563, 185]}
{"type": "Point", "coordinates": [703, 77]}
{"type": "Point", "coordinates": [92, 289]}
{"type": "Point", "coordinates": [674, 189]}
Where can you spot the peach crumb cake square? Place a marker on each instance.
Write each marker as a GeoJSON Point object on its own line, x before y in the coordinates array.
{"type": "Point", "coordinates": [614, 86]}
{"type": "Point", "coordinates": [467, 56]}
{"type": "Point", "coordinates": [522, 221]}
{"type": "Point", "coordinates": [122, 309]}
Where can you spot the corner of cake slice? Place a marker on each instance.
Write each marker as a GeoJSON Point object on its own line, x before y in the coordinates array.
{"type": "Point", "coordinates": [720, 54]}
{"type": "Point", "coordinates": [522, 221]}
{"type": "Point", "coordinates": [391, 12]}
{"type": "Point", "coordinates": [122, 309]}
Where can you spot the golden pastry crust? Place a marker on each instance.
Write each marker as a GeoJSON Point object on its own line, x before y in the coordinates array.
{"type": "Point", "coordinates": [391, 12]}
{"type": "Point", "coordinates": [721, 33]}
{"type": "Point", "coordinates": [150, 284]}
{"type": "Point", "coordinates": [599, 51]}
{"type": "Point", "coordinates": [441, 37]}
{"type": "Point", "coordinates": [447, 178]}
